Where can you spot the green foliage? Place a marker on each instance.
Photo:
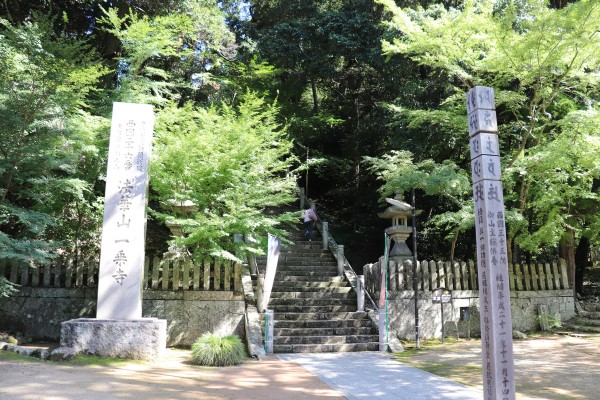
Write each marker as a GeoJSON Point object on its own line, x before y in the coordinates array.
{"type": "Point", "coordinates": [44, 90]}
{"type": "Point", "coordinates": [545, 69]}
{"type": "Point", "coordinates": [216, 351]}
{"type": "Point", "coordinates": [173, 56]}
{"type": "Point", "coordinates": [446, 180]}
{"type": "Point", "coordinates": [232, 163]}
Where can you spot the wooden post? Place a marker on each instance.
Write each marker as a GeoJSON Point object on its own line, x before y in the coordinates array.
{"type": "Point", "coordinates": [393, 281]}
{"type": "Point", "coordinates": [548, 276]}
{"type": "Point", "coordinates": [146, 273]}
{"type": "Point", "coordinates": [155, 272]}
{"type": "Point", "coordinates": [237, 277]}
{"type": "Point", "coordinates": [217, 274]}
{"type": "Point", "coordinates": [206, 274]}
{"type": "Point", "coordinates": [556, 276]}
{"type": "Point", "coordinates": [196, 276]}
{"type": "Point", "coordinates": [45, 281]}
{"type": "Point", "coordinates": [186, 274]}
{"type": "Point", "coordinates": [426, 276]}
{"type": "Point", "coordinates": [563, 274]}
{"type": "Point", "coordinates": [35, 276]}
{"type": "Point", "coordinates": [434, 275]}
{"type": "Point", "coordinates": [69, 273]}
{"type": "Point", "coordinates": [227, 276]}
{"type": "Point", "coordinates": [166, 264]}
{"type": "Point", "coordinates": [57, 266]}
{"type": "Point", "coordinates": [494, 293]}
{"type": "Point", "coordinates": [519, 274]}
{"type": "Point", "coordinates": [472, 275]}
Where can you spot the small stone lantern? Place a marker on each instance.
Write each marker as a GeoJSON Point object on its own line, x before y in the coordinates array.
{"type": "Point", "coordinates": [398, 212]}
{"type": "Point", "coordinates": [181, 208]}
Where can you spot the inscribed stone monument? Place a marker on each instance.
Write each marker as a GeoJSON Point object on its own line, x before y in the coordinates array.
{"type": "Point", "coordinates": [492, 258]}
{"type": "Point", "coordinates": [123, 233]}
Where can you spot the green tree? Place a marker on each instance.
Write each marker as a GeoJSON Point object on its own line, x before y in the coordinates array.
{"type": "Point", "coordinates": [543, 64]}
{"type": "Point", "coordinates": [43, 142]}
{"type": "Point", "coordinates": [232, 163]}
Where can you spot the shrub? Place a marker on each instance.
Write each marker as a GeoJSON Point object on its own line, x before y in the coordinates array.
{"type": "Point", "coordinates": [216, 351]}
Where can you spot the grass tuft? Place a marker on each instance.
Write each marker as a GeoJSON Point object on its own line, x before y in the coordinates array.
{"type": "Point", "coordinates": [216, 351]}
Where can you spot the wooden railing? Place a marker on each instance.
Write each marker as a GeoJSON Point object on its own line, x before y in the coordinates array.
{"type": "Point", "coordinates": [159, 274]}
{"type": "Point", "coordinates": [463, 276]}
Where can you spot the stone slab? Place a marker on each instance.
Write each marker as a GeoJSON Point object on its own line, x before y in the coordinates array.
{"type": "Point", "coordinates": [141, 339]}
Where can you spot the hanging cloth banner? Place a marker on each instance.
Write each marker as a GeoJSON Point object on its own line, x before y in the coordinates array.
{"type": "Point", "coordinates": [274, 248]}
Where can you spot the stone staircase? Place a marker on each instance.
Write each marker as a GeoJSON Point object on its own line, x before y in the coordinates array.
{"type": "Point", "coordinates": [587, 320]}
{"type": "Point", "coordinates": [314, 309]}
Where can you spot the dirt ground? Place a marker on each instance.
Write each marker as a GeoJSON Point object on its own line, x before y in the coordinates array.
{"type": "Point", "coordinates": [546, 367]}
{"type": "Point", "coordinates": [173, 377]}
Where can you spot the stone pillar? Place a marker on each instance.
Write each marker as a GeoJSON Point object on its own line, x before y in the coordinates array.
{"type": "Point", "coordinates": [124, 227]}
{"type": "Point", "coordinates": [360, 293]}
{"type": "Point", "coordinates": [269, 324]}
{"type": "Point", "coordinates": [340, 259]}
{"type": "Point", "coordinates": [325, 235]}
{"type": "Point", "coordinates": [382, 330]}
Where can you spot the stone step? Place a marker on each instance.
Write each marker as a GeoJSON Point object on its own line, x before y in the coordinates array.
{"type": "Point", "coordinates": [585, 328]}
{"type": "Point", "coordinates": [309, 302]}
{"type": "Point", "coordinates": [311, 309]}
{"type": "Point", "coordinates": [589, 314]}
{"type": "Point", "coordinates": [300, 285]}
{"type": "Point", "coordinates": [306, 250]}
{"type": "Point", "coordinates": [320, 339]}
{"type": "Point", "coordinates": [325, 348]}
{"type": "Point", "coordinates": [584, 321]}
{"type": "Point", "coordinates": [306, 271]}
{"type": "Point", "coordinates": [326, 293]}
{"type": "Point", "coordinates": [318, 316]}
{"type": "Point", "coordinates": [324, 324]}
{"type": "Point", "coordinates": [592, 307]}
{"type": "Point", "coordinates": [309, 278]}
{"type": "Point", "coordinates": [354, 331]}
{"type": "Point", "coordinates": [306, 261]}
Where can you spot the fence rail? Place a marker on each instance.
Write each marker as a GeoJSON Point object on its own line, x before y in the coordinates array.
{"type": "Point", "coordinates": [159, 274]}
{"type": "Point", "coordinates": [463, 276]}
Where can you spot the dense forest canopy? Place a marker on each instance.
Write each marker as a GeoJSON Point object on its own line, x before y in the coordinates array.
{"type": "Point", "coordinates": [354, 100]}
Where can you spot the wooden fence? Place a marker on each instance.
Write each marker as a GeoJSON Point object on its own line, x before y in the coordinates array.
{"type": "Point", "coordinates": [159, 274]}
{"type": "Point", "coordinates": [463, 276]}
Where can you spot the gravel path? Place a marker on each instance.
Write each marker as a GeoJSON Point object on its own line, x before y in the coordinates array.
{"type": "Point", "coordinates": [549, 367]}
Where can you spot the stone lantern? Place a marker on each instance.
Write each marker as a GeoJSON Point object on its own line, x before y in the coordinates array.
{"type": "Point", "coordinates": [181, 208]}
{"type": "Point", "coordinates": [398, 212]}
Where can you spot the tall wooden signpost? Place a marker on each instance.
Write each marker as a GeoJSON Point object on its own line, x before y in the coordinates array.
{"type": "Point", "coordinates": [492, 259]}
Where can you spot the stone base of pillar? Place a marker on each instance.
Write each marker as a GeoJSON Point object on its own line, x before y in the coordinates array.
{"type": "Point", "coordinates": [139, 339]}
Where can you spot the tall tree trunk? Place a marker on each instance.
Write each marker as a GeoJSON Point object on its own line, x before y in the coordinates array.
{"type": "Point", "coordinates": [581, 262]}
{"type": "Point", "coordinates": [313, 84]}
{"type": "Point", "coordinates": [567, 252]}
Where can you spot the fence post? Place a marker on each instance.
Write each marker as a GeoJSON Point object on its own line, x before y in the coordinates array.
{"type": "Point", "coordinates": [360, 293]}
{"type": "Point", "coordinates": [302, 198]}
{"type": "Point", "coordinates": [325, 234]}
{"type": "Point", "coordinates": [269, 323]}
{"type": "Point", "coordinates": [340, 260]}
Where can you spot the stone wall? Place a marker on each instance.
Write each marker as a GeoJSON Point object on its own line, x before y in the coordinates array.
{"type": "Point", "coordinates": [38, 312]}
{"type": "Point", "coordinates": [525, 307]}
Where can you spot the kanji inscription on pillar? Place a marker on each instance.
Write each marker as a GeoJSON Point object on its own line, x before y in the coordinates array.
{"type": "Point", "coordinates": [123, 231]}
{"type": "Point", "coordinates": [492, 258]}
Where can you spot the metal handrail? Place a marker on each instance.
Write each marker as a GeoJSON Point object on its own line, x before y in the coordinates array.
{"type": "Point", "coordinates": [333, 245]}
